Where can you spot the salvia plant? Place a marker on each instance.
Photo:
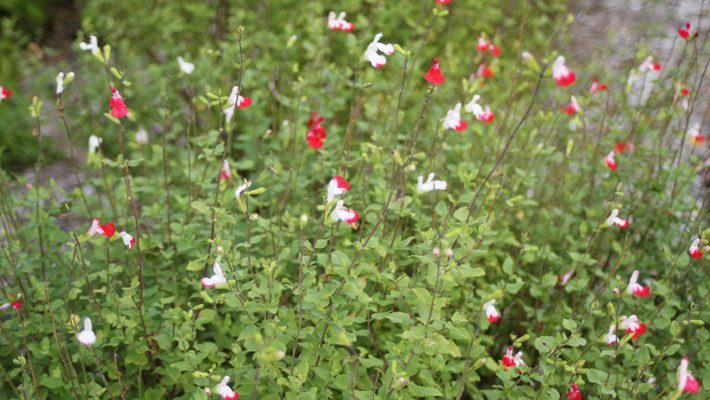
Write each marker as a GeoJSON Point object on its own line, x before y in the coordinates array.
{"type": "Point", "coordinates": [358, 199]}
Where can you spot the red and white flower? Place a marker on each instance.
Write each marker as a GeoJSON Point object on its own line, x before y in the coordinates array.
{"type": "Point", "coordinates": [434, 75]}
{"type": "Point", "coordinates": [430, 184]}
{"type": "Point", "coordinates": [610, 161]}
{"type": "Point", "coordinates": [316, 134]}
{"type": "Point", "coordinates": [596, 86]}
{"type": "Point", "coordinates": [571, 108]}
{"type": "Point", "coordinates": [225, 391]}
{"type": "Point", "coordinates": [241, 188]}
{"type": "Point", "coordinates": [4, 93]}
{"type": "Point", "coordinates": [87, 337]}
{"type": "Point", "coordinates": [491, 312]}
{"type": "Point", "coordinates": [563, 76]}
{"type": "Point", "coordinates": [339, 23]}
{"type": "Point", "coordinates": [686, 382]}
{"type": "Point", "coordinates": [611, 337]}
{"type": "Point", "coordinates": [118, 106]}
{"type": "Point", "coordinates": [621, 147]}
{"type": "Point", "coordinates": [96, 228]}
{"type": "Point", "coordinates": [635, 288]}
{"type": "Point", "coordinates": [564, 278]}
{"type": "Point", "coordinates": [347, 215]}
{"type": "Point", "coordinates": [484, 45]}
{"type": "Point", "coordinates": [694, 249]}
{"type": "Point", "coordinates": [453, 119]}
{"type": "Point", "coordinates": [443, 2]}
{"type": "Point", "coordinates": [642, 80]}
{"type": "Point", "coordinates": [127, 239]}
{"type": "Point", "coordinates": [614, 219]}
{"type": "Point", "coordinates": [632, 325]}
{"type": "Point", "coordinates": [696, 138]}
{"type": "Point", "coordinates": [216, 279]}
{"type": "Point", "coordinates": [484, 71]}
{"type": "Point", "coordinates": [513, 361]}
{"type": "Point", "coordinates": [486, 116]}
{"type": "Point", "coordinates": [372, 53]}
{"type": "Point", "coordinates": [685, 33]}
{"type": "Point", "coordinates": [235, 99]}
{"type": "Point", "coordinates": [337, 186]}
{"type": "Point", "coordinates": [16, 304]}
{"type": "Point", "coordinates": [573, 393]}
{"type": "Point", "coordinates": [226, 172]}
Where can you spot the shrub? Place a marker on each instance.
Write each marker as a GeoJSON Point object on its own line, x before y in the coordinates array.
{"type": "Point", "coordinates": [303, 258]}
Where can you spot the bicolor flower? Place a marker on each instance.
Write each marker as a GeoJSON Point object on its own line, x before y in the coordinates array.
{"type": "Point", "coordinates": [216, 279]}
{"type": "Point", "coordinates": [347, 215]}
{"type": "Point", "coordinates": [686, 382]}
{"type": "Point", "coordinates": [453, 119]}
{"type": "Point", "coordinates": [615, 220]}
{"type": "Point", "coordinates": [235, 99]}
{"type": "Point", "coordinates": [337, 186]}
{"type": "Point", "coordinates": [16, 304]}
{"type": "Point", "coordinates": [434, 75]}
{"type": "Point", "coordinates": [696, 138]}
{"type": "Point", "coordinates": [316, 134]}
{"type": "Point", "coordinates": [491, 312]}
{"type": "Point", "coordinates": [225, 391]}
{"type": "Point", "coordinates": [372, 53]}
{"type": "Point", "coordinates": [339, 23]}
{"type": "Point", "coordinates": [96, 228]}
{"type": "Point", "coordinates": [694, 249]}
{"type": "Point", "coordinates": [486, 116]}
{"type": "Point", "coordinates": [443, 2]}
{"type": "Point", "coordinates": [118, 106]}
{"type": "Point", "coordinates": [4, 93]}
{"type": "Point", "coordinates": [635, 288]}
{"type": "Point", "coordinates": [610, 161]}
{"type": "Point", "coordinates": [564, 278]}
{"type": "Point", "coordinates": [430, 184]}
{"type": "Point", "coordinates": [482, 44]}
{"type": "Point", "coordinates": [513, 361]}
{"type": "Point", "coordinates": [92, 46]}
{"type": "Point", "coordinates": [573, 393]}
{"type": "Point", "coordinates": [642, 80]}
{"type": "Point", "coordinates": [563, 76]}
{"type": "Point", "coordinates": [241, 188]}
{"type": "Point", "coordinates": [596, 86]}
{"type": "Point", "coordinates": [94, 143]}
{"type": "Point", "coordinates": [621, 147]}
{"type": "Point", "coordinates": [127, 239]}
{"type": "Point", "coordinates": [484, 71]}
{"type": "Point", "coordinates": [685, 33]}
{"type": "Point", "coordinates": [571, 108]}
{"type": "Point", "coordinates": [632, 325]}
{"type": "Point", "coordinates": [611, 337]}
{"type": "Point", "coordinates": [87, 337]}
{"type": "Point", "coordinates": [186, 67]}
{"type": "Point", "coordinates": [226, 172]}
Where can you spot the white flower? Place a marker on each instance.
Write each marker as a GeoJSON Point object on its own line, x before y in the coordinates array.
{"type": "Point", "coordinates": [186, 67]}
{"type": "Point", "coordinates": [60, 83]}
{"type": "Point", "coordinates": [92, 46]}
{"type": "Point", "coordinates": [242, 188]}
{"type": "Point", "coordinates": [94, 143]}
{"type": "Point", "coordinates": [491, 312]}
{"type": "Point", "coordinates": [339, 23]}
{"type": "Point", "coordinates": [473, 107]}
{"type": "Point", "coordinates": [430, 184]}
{"type": "Point", "coordinates": [372, 54]}
{"type": "Point", "coordinates": [631, 323]}
{"type": "Point", "coordinates": [142, 136]}
{"type": "Point", "coordinates": [214, 280]}
{"type": "Point", "coordinates": [87, 337]}
{"type": "Point", "coordinates": [610, 337]}
{"type": "Point", "coordinates": [642, 81]}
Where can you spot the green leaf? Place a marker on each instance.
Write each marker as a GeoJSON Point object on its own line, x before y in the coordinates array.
{"type": "Point", "coordinates": [596, 376]}
{"type": "Point", "coordinates": [423, 391]}
{"type": "Point", "coordinates": [569, 324]}
{"type": "Point", "coordinates": [545, 344]}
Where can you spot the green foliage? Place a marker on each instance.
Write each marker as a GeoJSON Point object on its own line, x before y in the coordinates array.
{"type": "Point", "coordinates": [318, 309]}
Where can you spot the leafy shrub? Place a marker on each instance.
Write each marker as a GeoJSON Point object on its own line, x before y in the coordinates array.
{"type": "Point", "coordinates": [394, 304]}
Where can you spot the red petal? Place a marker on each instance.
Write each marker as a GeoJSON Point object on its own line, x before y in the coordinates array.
{"type": "Point", "coordinates": [246, 102]}
{"type": "Point", "coordinates": [642, 292]}
{"type": "Point", "coordinates": [108, 229]}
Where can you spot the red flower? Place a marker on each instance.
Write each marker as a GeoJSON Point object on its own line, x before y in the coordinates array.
{"type": "Point", "coordinates": [317, 133]}
{"type": "Point", "coordinates": [611, 162]}
{"type": "Point", "coordinates": [572, 107]}
{"type": "Point", "coordinates": [118, 107]}
{"type": "Point", "coordinates": [495, 50]}
{"type": "Point", "coordinates": [596, 86]}
{"type": "Point", "coordinates": [563, 76]}
{"type": "Point", "coordinates": [574, 393]}
{"type": "Point", "coordinates": [17, 305]}
{"type": "Point", "coordinates": [684, 31]}
{"type": "Point", "coordinates": [484, 71]}
{"type": "Point", "coordinates": [434, 75]}
{"type": "Point", "coordinates": [443, 2]}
